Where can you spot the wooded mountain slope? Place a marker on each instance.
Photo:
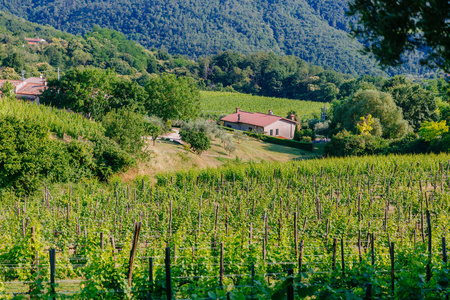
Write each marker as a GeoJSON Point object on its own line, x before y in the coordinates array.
{"type": "Point", "coordinates": [312, 30]}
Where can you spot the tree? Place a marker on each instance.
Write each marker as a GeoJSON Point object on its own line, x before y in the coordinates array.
{"type": "Point", "coordinates": [126, 128]}
{"type": "Point", "coordinates": [15, 61]}
{"type": "Point", "coordinates": [54, 56]}
{"type": "Point", "coordinates": [198, 141]}
{"type": "Point", "coordinates": [417, 104]}
{"type": "Point", "coordinates": [387, 117]}
{"type": "Point", "coordinates": [228, 144]}
{"type": "Point", "coordinates": [431, 130]}
{"type": "Point", "coordinates": [89, 91]}
{"type": "Point", "coordinates": [173, 98]}
{"type": "Point", "coordinates": [389, 29]}
{"type": "Point", "coordinates": [154, 131]}
{"type": "Point", "coordinates": [8, 91]}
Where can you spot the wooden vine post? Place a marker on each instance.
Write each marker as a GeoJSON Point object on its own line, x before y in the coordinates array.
{"type": "Point", "coordinates": [150, 278]}
{"type": "Point", "coordinates": [334, 253]}
{"type": "Point", "coordinates": [221, 271]}
{"type": "Point", "coordinates": [429, 246]}
{"type": "Point", "coordinates": [391, 252]}
{"type": "Point", "coordinates": [342, 258]}
{"type": "Point", "coordinates": [290, 287]}
{"type": "Point", "coordinates": [137, 230]}
{"type": "Point", "coordinates": [300, 260]}
{"type": "Point", "coordinates": [52, 256]}
{"type": "Point", "coordinates": [295, 234]}
{"type": "Point", "coordinates": [168, 275]}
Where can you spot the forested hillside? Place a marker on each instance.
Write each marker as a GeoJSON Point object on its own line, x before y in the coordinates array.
{"type": "Point", "coordinates": [312, 30]}
{"type": "Point", "coordinates": [264, 74]}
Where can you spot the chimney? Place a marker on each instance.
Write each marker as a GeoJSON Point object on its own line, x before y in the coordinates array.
{"type": "Point", "coordinates": [237, 110]}
{"type": "Point", "coordinates": [293, 117]}
{"type": "Point", "coordinates": [270, 112]}
{"type": "Point", "coordinates": [239, 117]}
{"type": "Point", "coordinates": [40, 76]}
{"type": "Point", "coordinates": [23, 75]}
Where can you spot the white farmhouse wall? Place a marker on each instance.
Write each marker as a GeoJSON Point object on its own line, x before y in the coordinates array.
{"type": "Point", "coordinates": [286, 129]}
{"type": "Point", "coordinates": [241, 126]}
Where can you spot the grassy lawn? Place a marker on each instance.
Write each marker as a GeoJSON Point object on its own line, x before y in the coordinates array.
{"type": "Point", "coordinates": [169, 156]}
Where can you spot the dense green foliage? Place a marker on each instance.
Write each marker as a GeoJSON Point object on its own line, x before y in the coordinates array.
{"type": "Point", "coordinates": [197, 140]}
{"type": "Point", "coordinates": [315, 31]}
{"type": "Point", "coordinates": [388, 118]}
{"type": "Point", "coordinates": [101, 47]}
{"type": "Point", "coordinates": [59, 122]}
{"type": "Point", "coordinates": [346, 144]}
{"type": "Point", "coordinates": [391, 29]}
{"type": "Point", "coordinates": [265, 215]}
{"type": "Point", "coordinates": [397, 106]}
{"type": "Point", "coordinates": [284, 142]}
{"type": "Point", "coordinates": [271, 75]}
{"type": "Point", "coordinates": [127, 128]}
{"type": "Point", "coordinates": [417, 104]}
{"type": "Point", "coordinates": [93, 92]}
{"type": "Point", "coordinates": [40, 145]}
{"type": "Point", "coordinates": [172, 98]}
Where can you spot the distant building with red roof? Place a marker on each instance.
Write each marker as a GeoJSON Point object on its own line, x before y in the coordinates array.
{"type": "Point", "coordinates": [258, 122]}
{"type": "Point", "coordinates": [32, 41]}
{"type": "Point", "coordinates": [29, 89]}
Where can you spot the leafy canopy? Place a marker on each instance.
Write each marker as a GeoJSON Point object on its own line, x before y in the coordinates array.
{"type": "Point", "coordinates": [390, 29]}
{"type": "Point", "coordinates": [94, 92]}
{"type": "Point", "coordinates": [431, 130]}
{"type": "Point", "coordinates": [388, 120]}
{"type": "Point", "coordinates": [172, 98]}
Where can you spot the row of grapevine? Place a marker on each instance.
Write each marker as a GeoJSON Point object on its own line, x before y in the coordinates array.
{"type": "Point", "coordinates": [347, 228]}
{"type": "Point", "coordinates": [59, 122]}
{"type": "Point", "coordinates": [215, 104]}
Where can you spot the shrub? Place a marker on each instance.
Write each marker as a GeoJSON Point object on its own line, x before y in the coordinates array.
{"type": "Point", "coordinates": [109, 158]}
{"type": "Point", "coordinates": [441, 144]}
{"type": "Point", "coordinates": [198, 141]}
{"type": "Point", "coordinates": [411, 143]}
{"type": "Point", "coordinates": [282, 142]}
{"type": "Point", "coordinates": [126, 128]}
{"type": "Point", "coordinates": [347, 144]}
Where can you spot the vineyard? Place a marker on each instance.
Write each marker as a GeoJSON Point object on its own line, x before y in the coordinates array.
{"type": "Point", "coordinates": [350, 228]}
{"type": "Point", "coordinates": [58, 121]}
{"type": "Point", "coordinates": [215, 104]}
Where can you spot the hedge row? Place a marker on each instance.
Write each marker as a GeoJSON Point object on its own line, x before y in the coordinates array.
{"type": "Point", "coordinates": [282, 142]}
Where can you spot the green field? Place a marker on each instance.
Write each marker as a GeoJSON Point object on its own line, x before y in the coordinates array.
{"type": "Point", "coordinates": [215, 104]}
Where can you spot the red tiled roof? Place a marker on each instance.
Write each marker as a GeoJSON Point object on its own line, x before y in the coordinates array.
{"type": "Point", "coordinates": [33, 89]}
{"type": "Point", "coordinates": [14, 82]}
{"type": "Point", "coordinates": [256, 119]}
{"type": "Point", "coordinates": [32, 86]}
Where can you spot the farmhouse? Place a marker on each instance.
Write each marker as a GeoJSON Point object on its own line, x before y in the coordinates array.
{"type": "Point", "coordinates": [268, 124]}
{"type": "Point", "coordinates": [29, 89]}
{"type": "Point", "coordinates": [31, 41]}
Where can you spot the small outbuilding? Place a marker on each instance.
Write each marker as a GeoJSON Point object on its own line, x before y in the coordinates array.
{"type": "Point", "coordinates": [34, 41]}
{"type": "Point", "coordinates": [268, 124]}
{"type": "Point", "coordinates": [29, 89]}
